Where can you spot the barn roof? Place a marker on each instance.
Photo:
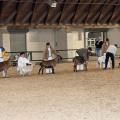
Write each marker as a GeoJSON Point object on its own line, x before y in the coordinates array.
{"type": "Point", "coordinates": [38, 13]}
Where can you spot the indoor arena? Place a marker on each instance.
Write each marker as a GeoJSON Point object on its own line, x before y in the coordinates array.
{"type": "Point", "coordinates": [59, 60]}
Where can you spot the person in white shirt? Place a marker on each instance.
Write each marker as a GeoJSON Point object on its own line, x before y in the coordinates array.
{"type": "Point", "coordinates": [110, 53]}
{"type": "Point", "coordinates": [24, 65]}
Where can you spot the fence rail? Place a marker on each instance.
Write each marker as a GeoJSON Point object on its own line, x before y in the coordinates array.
{"type": "Point", "coordinates": [67, 54]}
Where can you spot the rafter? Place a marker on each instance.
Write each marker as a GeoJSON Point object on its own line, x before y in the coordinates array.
{"type": "Point", "coordinates": [68, 8]}
{"type": "Point", "coordinates": [54, 13]}
{"type": "Point", "coordinates": [94, 12]}
{"type": "Point", "coordinates": [106, 12]}
{"type": "Point", "coordinates": [115, 15]}
{"type": "Point", "coordinates": [24, 10]}
{"type": "Point", "coordinates": [67, 12]}
{"type": "Point", "coordinates": [39, 12]}
{"type": "Point", "coordinates": [7, 11]}
{"type": "Point", "coordinates": [82, 12]}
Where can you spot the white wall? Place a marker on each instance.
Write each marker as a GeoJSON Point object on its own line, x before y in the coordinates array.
{"type": "Point", "coordinates": [60, 39]}
{"type": "Point", "coordinates": [75, 40]}
{"type": "Point", "coordinates": [36, 40]}
{"type": "Point", "coordinates": [114, 36]}
{"type": "Point", "coordinates": [6, 41]}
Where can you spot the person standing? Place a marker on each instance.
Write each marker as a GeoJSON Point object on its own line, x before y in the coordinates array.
{"type": "Point", "coordinates": [83, 57]}
{"type": "Point", "coordinates": [110, 53]}
{"type": "Point", "coordinates": [49, 51]}
{"type": "Point", "coordinates": [105, 46]}
{"type": "Point", "coordinates": [98, 46]}
{"type": "Point", "coordinates": [101, 59]}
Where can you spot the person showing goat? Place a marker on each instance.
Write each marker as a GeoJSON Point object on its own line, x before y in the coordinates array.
{"type": "Point", "coordinates": [49, 62]}
{"type": "Point", "coordinates": [82, 58]}
{"type": "Point", "coordinates": [24, 67]}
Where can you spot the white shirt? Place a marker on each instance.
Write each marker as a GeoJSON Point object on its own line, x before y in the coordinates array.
{"type": "Point", "coordinates": [22, 61]}
{"type": "Point", "coordinates": [49, 54]}
{"type": "Point", "coordinates": [112, 49]}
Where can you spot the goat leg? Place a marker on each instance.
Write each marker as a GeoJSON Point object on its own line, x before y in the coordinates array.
{"type": "Point", "coordinates": [119, 65]}
{"type": "Point", "coordinates": [74, 68]}
{"type": "Point", "coordinates": [85, 66]}
{"type": "Point", "coordinates": [53, 70]}
{"type": "Point", "coordinates": [40, 70]}
{"type": "Point", "coordinates": [4, 73]}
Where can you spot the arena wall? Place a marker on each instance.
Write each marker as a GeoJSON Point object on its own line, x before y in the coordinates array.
{"type": "Point", "coordinates": [61, 39]}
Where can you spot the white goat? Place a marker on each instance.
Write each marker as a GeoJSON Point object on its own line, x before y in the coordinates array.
{"type": "Point", "coordinates": [101, 61]}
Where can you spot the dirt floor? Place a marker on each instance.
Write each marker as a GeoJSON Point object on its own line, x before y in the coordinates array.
{"type": "Point", "coordinates": [91, 95]}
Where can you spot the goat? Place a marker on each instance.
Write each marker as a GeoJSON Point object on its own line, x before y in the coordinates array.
{"type": "Point", "coordinates": [79, 60]}
{"type": "Point", "coordinates": [4, 66]}
{"type": "Point", "coordinates": [101, 62]}
{"type": "Point", "coordinates": [49, 64]}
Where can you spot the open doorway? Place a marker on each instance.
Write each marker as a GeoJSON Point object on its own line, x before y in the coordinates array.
{"type": "Point", "coordinates": [91, 38]}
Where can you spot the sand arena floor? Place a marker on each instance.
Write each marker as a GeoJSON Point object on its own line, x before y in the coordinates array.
{"type": "Point", "coordinates": [91, 95]}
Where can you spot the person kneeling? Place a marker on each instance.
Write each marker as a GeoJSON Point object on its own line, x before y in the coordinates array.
{"type": "Point", "coordinates": [24, 65]}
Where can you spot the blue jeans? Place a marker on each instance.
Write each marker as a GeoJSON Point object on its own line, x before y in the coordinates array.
{"type": "Point", "coordinates": [98, 52]}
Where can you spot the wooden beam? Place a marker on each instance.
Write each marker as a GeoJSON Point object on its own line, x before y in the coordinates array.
{"type": "Point", "coordinates": [24, 11]}
{"type": "Point", "coordinates": [82, 12]}
{"type": "Point", "coordinates": [26, 18]}
{"type": "Point", "coordinates": [41, 18]}
{"type": "Point", "coordinates": [106, 12]}
{"type": "Point", "coordinates": [10, 18]}
{"type": "Point", "coordinates": [39, 12]}
{"type": "Point", "coordinates": [94, 12]}
{"type": "Point", "coordinates": [54, 20]}
{"type": "Point", "coordinates": [81, 26]}
{"type": "Point", "coordinates": [68, 8]}
{"type": "Point", "coordinates": [54, 13]}
{"type": "Point", "coordinates": [8, 9]}
{"type": "Point", "coordinates": [115, 15]}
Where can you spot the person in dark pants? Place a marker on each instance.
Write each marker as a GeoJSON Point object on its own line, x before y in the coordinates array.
{"type": "Point", "coordinates": [110, 53]}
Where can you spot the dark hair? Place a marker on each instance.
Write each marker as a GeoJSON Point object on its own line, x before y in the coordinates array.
{"type": "Point", "coordinates": [89, 48]}
{"type": "Point", "coordinates": [22, 53]}
{"type": "Point", "coordinates": [107, 39]}
{"type": "Point", "coordinates": [116, 45]}
{"type": "Point", "coordinates": [2, 48]}
{"type": "Point", "coordinates": [47, 43]}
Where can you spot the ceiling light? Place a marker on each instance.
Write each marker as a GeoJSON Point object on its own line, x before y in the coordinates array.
{"type": "Point", "coordinates": [54, 4]}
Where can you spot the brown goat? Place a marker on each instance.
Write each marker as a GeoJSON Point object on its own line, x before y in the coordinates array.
{"type": "Point", "coordinates": [79, 60]}
{"type": "Point", "coordinates": [49, 64]}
